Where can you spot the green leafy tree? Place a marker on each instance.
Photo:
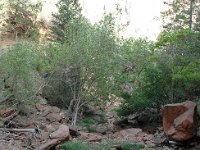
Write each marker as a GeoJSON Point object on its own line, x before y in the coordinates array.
{"type": "Point", "coordinates": [20, 74]}
{"type": "Point", "coordinates": [183, 49]}
{"type": "Point", "coordinates": [90, 51]}
{"type": "Point", "coordinates": [20, 17]}
{"type": "Point", "coordinates": [143, 74]}
{"type": "Point", "coordinates": [166, 73]}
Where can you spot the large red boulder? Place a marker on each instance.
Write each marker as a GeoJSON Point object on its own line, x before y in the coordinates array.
{"type": "Point", "coordinates": [179, 120]}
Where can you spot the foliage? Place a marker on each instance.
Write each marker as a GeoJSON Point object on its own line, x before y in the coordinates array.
{"type": "Point", "coordinates": [74, 146]}
{"type": "Point", "coordinates": [19, 70]}
{"type": "Point", "coordinates": [88, 122]}
{"type": "Point", "coordinates": [124, 145]}
{"type": "Point", "coordinates": [20, 17]}
{"type": "Point", "coordinates": [166, 73]}
{"type": "Point", "coordinates": [181, 15]}
{"type": "Point", "coordinates": [69, 12]}
{"type": "Point", "coordinates": [131, 146]}
{"type": "Point", "coordinates": [183, 47]}
{"type": "Point", "coordinates": [90, 63]}
{"type": "Point", "coordinates": [136, 78]}
{"type": "Point", "coordinates": [91, 52]}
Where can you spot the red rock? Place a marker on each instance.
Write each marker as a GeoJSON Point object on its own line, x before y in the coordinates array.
{"type": "Point", "coordinates": [179, 120]}
{"type": "Point", "coordinates": [133, 134]}
{"type": "Point", "coordinates": [44, 136]}
{"type": "Point", "coordinates": [55, 109]}
{"type": "Point", "coordinates": [90, 137]}
{"type": "Point", "coordinates": [49, 145]}
{"type": "Point", "coordinates": [61, 134]}
{"type": "Point", "coordinates": [73, 131]}
{"type": "Point", "coordinates": [52, 127]}
{"type": "Point", "coordinates": [7, 112]}
{"type": "Point", "coordinates": [54, 117]}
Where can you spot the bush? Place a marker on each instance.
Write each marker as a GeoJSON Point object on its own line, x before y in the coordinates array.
{"type": "Point", "coordinates": [131, 146]}
{"type": "Point", "coordinates": [19, 70]}
{"type": "Point", "coordinates": [124, 145]}
{"type": "Point", "coordinates": [75, 145]}
{"type": "Point", "coordinates": [59, 86]}
{"type": "Point", "coordinates": [88, 122]}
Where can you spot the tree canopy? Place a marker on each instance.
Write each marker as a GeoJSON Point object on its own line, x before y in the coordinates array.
{"type": "Point", "coordinates": [88, 64]}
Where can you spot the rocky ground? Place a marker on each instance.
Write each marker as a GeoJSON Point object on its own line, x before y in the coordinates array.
{"type": "Point", "coordinates": [44, 126]}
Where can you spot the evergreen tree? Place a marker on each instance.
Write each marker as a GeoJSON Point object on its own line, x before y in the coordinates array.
{"type": "Point", "coordinates": [181, 15]}
{"type": "Point", "coordinates": [69, 11]}
{"type": "Point", "coordinates": [20, 17]}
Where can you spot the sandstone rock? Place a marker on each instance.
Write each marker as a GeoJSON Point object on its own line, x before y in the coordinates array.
{"type": "Point", "coordinates": [103, 128]}
{"type": "Point", "coordinates": [1, 124]}
{"type": "Point", "coordinates": [54, 117]}
{"type": "Point", "coordinates": [52, 127]}
{"type": "Point", "coordinates": [133, 134]}
{"type": "Point", "coordinates": [179, 120]}
{"type": "Point", "coordinates": [49, 145]}
{"type": "Point", "coordinates": [61, 134]}
{"type": "Point", "coordinates": [73, 131]}
{"type": "Point", "coordinates": [40, 107]}
{"type": "Point", "coordinates": [44, 136]}
{"type": "Point", "coordinates": [46, 111]}
{"type": "Point", "coordinates": [41, 100]}
{"type": "Point", "coordinates": [55, 109]}
{"type": "Point", "coordinates": [7, 112]}
{"type": "Point", "coordinates": [90, 137]}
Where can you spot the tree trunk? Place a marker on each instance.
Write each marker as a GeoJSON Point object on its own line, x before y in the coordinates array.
{"type": "Point", "coordinates": [191, 13]}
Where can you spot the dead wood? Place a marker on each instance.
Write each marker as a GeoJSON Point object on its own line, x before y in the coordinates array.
{"type": "Point", "coordinates": [18, 130]}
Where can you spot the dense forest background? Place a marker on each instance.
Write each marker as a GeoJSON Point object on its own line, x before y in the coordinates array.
{"type": "Point", "coordinates": [73, 63]}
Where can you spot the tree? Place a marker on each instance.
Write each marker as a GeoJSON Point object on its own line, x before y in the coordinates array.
{"type": "Point", "coordinates": [89, 51]}
{"type": "Point", "coordinates": [21, 79]}
{"type": "Point", "coordinates": [20, 17]}
{"type": "Point", "coordinates": [142, 80]}
{"type": "Point", "coordinates": [181, 15]}
{"type": "Point", "coordinates": [69, 11]}
{"type": "Point", "coordinates": [183, 47]}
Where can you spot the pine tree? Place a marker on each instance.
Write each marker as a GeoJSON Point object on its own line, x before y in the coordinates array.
{"type": "Point", "coordinates": [69, 11]}
{"type": "Point", "coordinates": [182, 15]}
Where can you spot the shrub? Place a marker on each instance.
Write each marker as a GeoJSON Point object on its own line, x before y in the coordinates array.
{"type": "Point", "coordinates": [19, 71]}
{"type": "Point", "coordinates": [131, 146]}
{"type": "Point", "coordinates": [75, 145]}
{"type": "Point", "coordinates": [124, 145]}
{"type": "Point", "coordinates": [88, 122]}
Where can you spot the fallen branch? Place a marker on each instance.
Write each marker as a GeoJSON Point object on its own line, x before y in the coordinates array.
{"type": "Point", "coordinates": [18, 130]}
